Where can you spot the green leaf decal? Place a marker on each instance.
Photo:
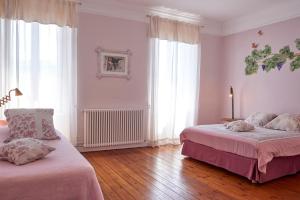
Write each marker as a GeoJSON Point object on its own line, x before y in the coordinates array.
{"type": "Point", "coordinates": [297, 41]}
{"type": "Point", "coordinates": [295, 64]}
{"type": "Point", "coordinates": [286, 52]}
{"type": "Point", "coordinates": [252, 65]}
{"type": "Point", "coordinates": [270, 61]}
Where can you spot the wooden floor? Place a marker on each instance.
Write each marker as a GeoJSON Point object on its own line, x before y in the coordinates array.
{"type": "Point", "coordinates": [162, 173]}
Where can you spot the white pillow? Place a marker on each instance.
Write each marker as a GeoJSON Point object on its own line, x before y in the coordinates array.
{"type": "Point", "coordinates": [24, 150]}
{"type": "Point", "coordinates": [260, 119]}
{"type": "Point", "coordinates": [285, 122]}
{"type": "Point", "coordinates": [239, 126]}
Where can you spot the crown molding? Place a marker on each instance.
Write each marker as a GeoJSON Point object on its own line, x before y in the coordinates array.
{"type": "Point", "coordinates": [273, 14]}
{"type": "Point", "coordinates": [113, 9]}
{"type": "Point", "coordinates": [137, 13]}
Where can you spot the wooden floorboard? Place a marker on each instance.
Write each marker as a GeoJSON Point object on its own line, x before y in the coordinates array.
{"type": "Point", "coordinates": [163, 173]}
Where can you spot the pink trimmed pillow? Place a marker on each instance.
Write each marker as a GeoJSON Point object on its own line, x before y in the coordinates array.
{"type": "Point", "coordinates": [260, 119]}
{"type": "Point", "coordinates": [285, 122]}
{"type": "Point", "coordinates": [24, 150]}
{"type": "Point", "coordinates": [32, 123]}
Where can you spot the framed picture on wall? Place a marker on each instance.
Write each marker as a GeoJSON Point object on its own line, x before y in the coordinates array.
{"type": "Point", "coordinates": [113, 63]}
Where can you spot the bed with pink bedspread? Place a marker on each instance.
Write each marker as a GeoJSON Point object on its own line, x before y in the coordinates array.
{"type": "Point", "coordinates": [260, 155]}
{"type": "Point", "coordinates": [61, 175]}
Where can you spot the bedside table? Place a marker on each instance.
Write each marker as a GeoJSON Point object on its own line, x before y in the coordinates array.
{"type": "Point", "coordinates": [229, 119]}
{"type": "Point", "coordinates": [3, 122]}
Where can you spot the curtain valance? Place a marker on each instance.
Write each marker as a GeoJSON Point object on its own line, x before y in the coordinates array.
{"type": "Point", "coordinates": [172, 30]}
{"type": "Point", "coordinates": [59, 12]}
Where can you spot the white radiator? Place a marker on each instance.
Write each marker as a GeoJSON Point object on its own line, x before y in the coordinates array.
{"type": "Point", "coordinates": [114, 127]}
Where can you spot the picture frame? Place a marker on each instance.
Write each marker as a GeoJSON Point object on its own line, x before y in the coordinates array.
{"type": "Point", "coordinates": [113, 63]}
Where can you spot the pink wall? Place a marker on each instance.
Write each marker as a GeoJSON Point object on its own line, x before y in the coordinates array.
{"type": "Point", "coordinates": [276, 91]}
{"type": "Point", "coordinates": [210, 76]}
{"type": "Point", "coordinates": [114, 33]}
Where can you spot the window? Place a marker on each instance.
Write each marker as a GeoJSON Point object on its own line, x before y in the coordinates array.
{"type": "Point", "coordinates": [174, 88]}
{"type": "Point", "coordinates": [41, 61]}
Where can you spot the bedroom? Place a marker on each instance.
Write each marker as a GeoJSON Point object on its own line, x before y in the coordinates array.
{"type": "Point", "coordinates": [98, 66]}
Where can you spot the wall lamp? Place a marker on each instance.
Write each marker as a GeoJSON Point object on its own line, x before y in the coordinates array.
{"type": "Point", "coordinates": [7, 98]}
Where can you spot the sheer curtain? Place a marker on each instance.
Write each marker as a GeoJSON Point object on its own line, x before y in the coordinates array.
{"type": "Point", "coordinates": [41, 61]}
{"type": "Point", "coordinates": [174, 80]}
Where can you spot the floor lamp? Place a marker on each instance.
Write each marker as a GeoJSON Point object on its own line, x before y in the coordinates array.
{"type": "Point", "coordinates": [231, 95]}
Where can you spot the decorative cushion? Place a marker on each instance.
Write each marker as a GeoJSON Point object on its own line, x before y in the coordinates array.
{"type": "Point", "coordinates": [285, 122]}
{"type": "Point", "coordinates": [33, 123]}
{"type": "Point", "coordinates": [260, 119]}
{"type": "Point", "coordinates": [239, 126]}
{"type": "Point", "coordinates": [24, 150]}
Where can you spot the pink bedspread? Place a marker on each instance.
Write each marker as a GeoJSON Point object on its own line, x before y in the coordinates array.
{"type": "Point", "coordinates": [61, 175]}
{"type": "Point", "coordinates": [261, 144]}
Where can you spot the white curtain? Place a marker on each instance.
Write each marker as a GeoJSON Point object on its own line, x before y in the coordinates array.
{"type": "Point", "coordinates": [174, 80]}
{"type": "Point", "coordinates": [41, 61]}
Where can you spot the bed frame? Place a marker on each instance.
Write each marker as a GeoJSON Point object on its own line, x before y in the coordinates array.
{"type": "Point", "coordinates": [244, 166]}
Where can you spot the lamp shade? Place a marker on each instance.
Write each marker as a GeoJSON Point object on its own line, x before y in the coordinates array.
{"type": "Point", "coordinates": [231, 92]}
{"type": "Point", "coordinates": [18, 92]}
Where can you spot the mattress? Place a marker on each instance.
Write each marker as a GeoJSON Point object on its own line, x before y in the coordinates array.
{"type": "Point", "coordinates": [62, 174]}
{"type": "Point", "coordinates": [261, 144]}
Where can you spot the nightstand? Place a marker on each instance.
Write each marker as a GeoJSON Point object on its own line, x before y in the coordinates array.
{"type": "Point", "coordinates": [228, 119]}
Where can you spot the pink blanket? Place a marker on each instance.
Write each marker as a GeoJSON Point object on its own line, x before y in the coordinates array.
{"type": "Point", "coordinates": [261, 144]}
{"type": "Point", "coordinates": [61, 175]}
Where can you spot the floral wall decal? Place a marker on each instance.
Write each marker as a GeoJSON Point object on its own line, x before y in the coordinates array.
{"type": "Point", "coordinates": [254, 45]}
{"type": "Point", "coordinates": [268, 60]}
{"type": "Point", "coordinates": [297, 41]}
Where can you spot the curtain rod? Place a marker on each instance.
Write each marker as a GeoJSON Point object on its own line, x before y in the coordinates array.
{"type": "Point", "coordinates": [201, 26]}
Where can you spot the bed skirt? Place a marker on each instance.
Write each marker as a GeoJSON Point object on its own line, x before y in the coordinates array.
{"type": "Point", "coordinates": [247, 167]}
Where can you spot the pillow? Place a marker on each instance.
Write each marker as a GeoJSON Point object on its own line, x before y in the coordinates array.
{"type": "Point", "coordinates": [24, 150]}
{"type": "Point", "coordinates": [285, 122]}
{"type": "Point", "coordinates": [33, 123]}
{"type": "Point", "coordinates": [260, 119]}
{"type": "Point", "coordinates": [239, 126]}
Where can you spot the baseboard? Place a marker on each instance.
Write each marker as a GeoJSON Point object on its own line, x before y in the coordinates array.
{"type": "Point", "coordinates": [128, 146]}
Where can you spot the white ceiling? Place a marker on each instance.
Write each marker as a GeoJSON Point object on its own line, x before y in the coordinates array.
{"type": "Point", "coordinates": [220, 17]}
{"type": "Point", "coordinates": [219, 10]}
